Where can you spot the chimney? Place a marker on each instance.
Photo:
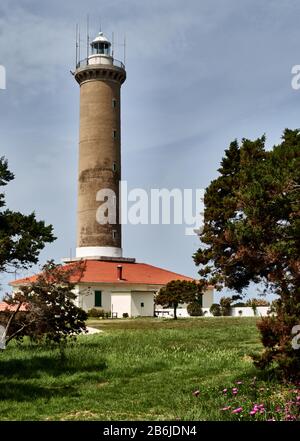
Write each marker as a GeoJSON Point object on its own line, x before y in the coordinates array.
{"type": "Point", "coordinates": [120, 272]}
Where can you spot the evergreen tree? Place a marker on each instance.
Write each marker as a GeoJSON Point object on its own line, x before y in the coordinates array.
{"type": "Point", "coordinates": [22, 237]}
{"type": "Point", "coordinates": [252, 234]}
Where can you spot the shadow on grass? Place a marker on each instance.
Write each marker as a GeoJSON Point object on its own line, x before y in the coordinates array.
{"type": "Point", "coordinates": [38, 366]}
{"type": "Point", "coordinates": [18, 391]}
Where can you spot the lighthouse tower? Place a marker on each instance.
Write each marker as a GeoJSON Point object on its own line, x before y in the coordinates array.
{"type": "Point", "coordinates": [100, 77]}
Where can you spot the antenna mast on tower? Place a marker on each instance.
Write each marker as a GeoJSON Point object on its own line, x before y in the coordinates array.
{"type": "Point", "coordinates": [125, 49]}
{"type": "Point", "coordinates": [79, 44]}
{"type": "Point", "coordinates": [87, 36]}
{"type": "Point", "coordinates": [113, 44]}
{"type": "Point", "coordinates": [76, 45]}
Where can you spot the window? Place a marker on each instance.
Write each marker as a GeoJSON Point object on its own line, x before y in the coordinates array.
{"type": "Point", "coordinates": [98, 298]}
{"type": "Point", "coordinates": [114, 234]}
{"type": "Point", "coordinates": [114, 134]}
{"type": "Point", "coordinates": [100, 48]}
{"type": "Point", "coordinates": [114, 166]}
{"type": "Point", "coordinates": [114, 103]}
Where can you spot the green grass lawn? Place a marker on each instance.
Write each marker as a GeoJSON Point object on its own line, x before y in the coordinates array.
{"type": "Point", "coordinates": [140, 369]}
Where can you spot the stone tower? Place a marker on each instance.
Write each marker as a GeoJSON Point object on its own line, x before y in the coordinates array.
{"type": "Point", "coordinates": [100, 77]}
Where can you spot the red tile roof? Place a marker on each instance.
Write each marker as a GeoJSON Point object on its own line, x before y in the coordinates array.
{"type": "Point", "coordinates": [97, 271]}
{"type": "Point", "coordinates": [6, 307]}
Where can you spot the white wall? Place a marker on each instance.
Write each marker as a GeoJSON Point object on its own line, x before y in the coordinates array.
{"type": "Point", "coordinates": [118, 298]}
{"type": "Point", "coordinates": [86, 299]}
{"type": "Point", "coordinates": [208, 298]}
{"type": "Point", "coordinates": [247, 311]}
{"type": "Point", "coordinates": [262, 311]}
{"type": "Point", "coordinates": [121, 303]}
{"type": "Point", "coordinates": [142, 297]}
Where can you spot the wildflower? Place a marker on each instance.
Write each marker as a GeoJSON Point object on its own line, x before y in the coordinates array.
{"type": "Point", "coordinates": [196, 393]}
{"type": "Point", "coordinates": [226, 408]}
{"type": "Point", "coordinates": [237, 410]}
{"type": "Point", "coordinates": [235, 391]}
{"type": "Point", "coordinates": [253, 412]}
{"type": "Point", "coordinates": [224, 391]}
{"type": "Point", "coordinates": [239, 382]}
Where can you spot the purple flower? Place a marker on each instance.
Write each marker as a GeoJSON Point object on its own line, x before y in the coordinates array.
{"type": "Point", "coordinates": [237, 410]}
{"type": "Point", "coordinates": [253, 412]}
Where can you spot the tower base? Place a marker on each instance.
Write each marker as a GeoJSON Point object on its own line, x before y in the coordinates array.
{"type": "Point", "coordinates": [83, 252]}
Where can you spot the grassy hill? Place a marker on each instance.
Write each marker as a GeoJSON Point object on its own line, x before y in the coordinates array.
{"type": "Point", "coordinates": [141, 369]}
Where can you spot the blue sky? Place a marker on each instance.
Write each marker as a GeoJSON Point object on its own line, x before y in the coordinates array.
{"type": "Point", "coordinates": [199, 74]}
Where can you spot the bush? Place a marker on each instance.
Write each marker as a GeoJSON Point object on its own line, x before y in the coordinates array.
{"type": "Point", "coordinates": [194, 309]}
{"type": "Point", "coordinates": [276, 336]}
{"type": "Point", "coordinates": [215, 309]}
{"type": "Point", "coordinates": [125, 315]}
{"type": "Point", "coordinates": [257, 302]}
{"type": "Point", "coordinates": [225, 303]}
{"type": "Point", "coordinates": [96, 313]}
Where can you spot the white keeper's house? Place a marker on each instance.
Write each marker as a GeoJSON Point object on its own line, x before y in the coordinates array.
{"type": "Point", "coordinates": [121, 288]}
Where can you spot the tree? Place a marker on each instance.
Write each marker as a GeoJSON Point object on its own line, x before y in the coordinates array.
{"type": "Point", "coordinates": [194, 309]}
{"type": "Point", "coordinates": [215, 310]}
{"type": "Point", "coordinates": [50, 309]}
{"type": "Point", "coordinates": [252, 233]}
{"type": "Point", "coordinates": [22, 237]}
{"type": "Point", "coordinates": [177, 292]}
{"type": "Point", "coordinates": [225, 304]}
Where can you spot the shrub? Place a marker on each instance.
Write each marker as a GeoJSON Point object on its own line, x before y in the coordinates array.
{"type": "Point", "coordinates": [194, 309]}
{"type": "Point", "coordinates": [225, 303]}
{"type": "Point", "coordinates": [125, 315]}
{"type": "Point", "coordinates": [257, 302]}
{"type": "Point", "coordinates": [96, 313]}
{"type": "Point", "coordinates": [276, 336]}
{"type": "Point", "coordinates": [215, 309]}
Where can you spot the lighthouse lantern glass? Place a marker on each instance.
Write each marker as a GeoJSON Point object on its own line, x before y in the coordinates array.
{"type": "Point", "coordinates": [100, 48]}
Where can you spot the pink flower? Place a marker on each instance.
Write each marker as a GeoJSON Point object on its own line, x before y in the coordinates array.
{"type": "Point", "coordinates": [224, 391]}
{"type": "Point", "coordinates": [253, 412]}
{"type": "Point", "coordinates": [196, 393]}
{"type": "Point", "coordinates": [235, 391]}
{"type": "Point", "coordinates": [226, 408]}
{"type": "Point", "coordinates": [239, 382]}
{"type": "Point", "coordinates": [237, 410]}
